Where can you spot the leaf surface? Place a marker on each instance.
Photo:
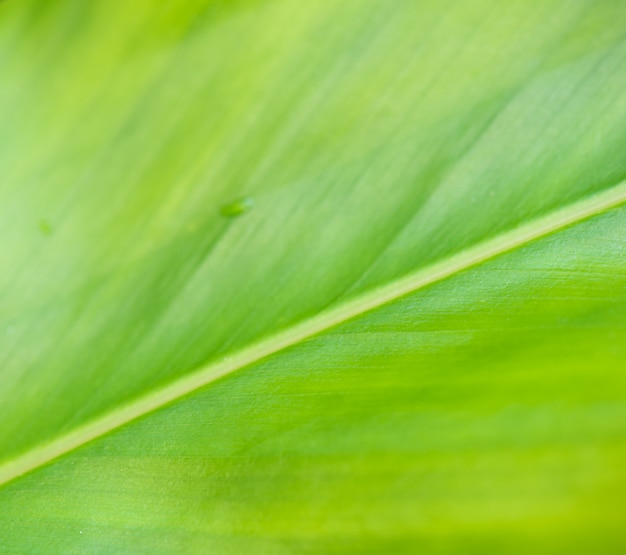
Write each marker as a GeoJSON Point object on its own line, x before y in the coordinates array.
{"type": "Point", "coordinates": [396, 227]}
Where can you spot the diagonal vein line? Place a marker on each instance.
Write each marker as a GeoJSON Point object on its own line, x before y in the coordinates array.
{"type": "Point", "coordinates": [481, 252]}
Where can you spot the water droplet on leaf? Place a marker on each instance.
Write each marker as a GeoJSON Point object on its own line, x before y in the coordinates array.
{"type": "Point", "coordinates": [45, 228]}
{"type": "Point", "coordinates": [237, 207]}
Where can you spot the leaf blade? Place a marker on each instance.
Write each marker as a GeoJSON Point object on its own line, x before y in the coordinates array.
{"type": "Point", "coordinates": [411, 135]}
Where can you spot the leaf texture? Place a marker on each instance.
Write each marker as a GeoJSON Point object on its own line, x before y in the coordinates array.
{"type": "Point", "coordinates": [420, 307]}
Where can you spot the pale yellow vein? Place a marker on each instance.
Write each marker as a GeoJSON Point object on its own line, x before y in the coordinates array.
{"type": "Point", "coordinates": [370, 300]}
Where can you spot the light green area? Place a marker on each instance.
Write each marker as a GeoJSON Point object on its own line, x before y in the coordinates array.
{"type": "Point", "coordinates": [357, 143]}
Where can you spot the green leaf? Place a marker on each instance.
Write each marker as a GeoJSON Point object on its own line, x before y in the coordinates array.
{"type": "Point", "coordinates": [313, 277]}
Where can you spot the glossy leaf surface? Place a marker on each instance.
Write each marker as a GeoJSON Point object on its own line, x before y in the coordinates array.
{"type": "Point", "coordinates": [396, 228]}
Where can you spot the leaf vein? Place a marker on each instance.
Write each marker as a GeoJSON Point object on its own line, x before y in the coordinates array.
{"type": "Point", "coordinates": [506, 242]}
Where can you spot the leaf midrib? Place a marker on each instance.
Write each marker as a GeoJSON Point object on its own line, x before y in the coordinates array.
{"type": "Point", "coordinates": [455, 264]}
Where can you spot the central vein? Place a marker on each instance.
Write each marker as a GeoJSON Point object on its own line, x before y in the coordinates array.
{"type": "Point", "coordinates": [455, 264]}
